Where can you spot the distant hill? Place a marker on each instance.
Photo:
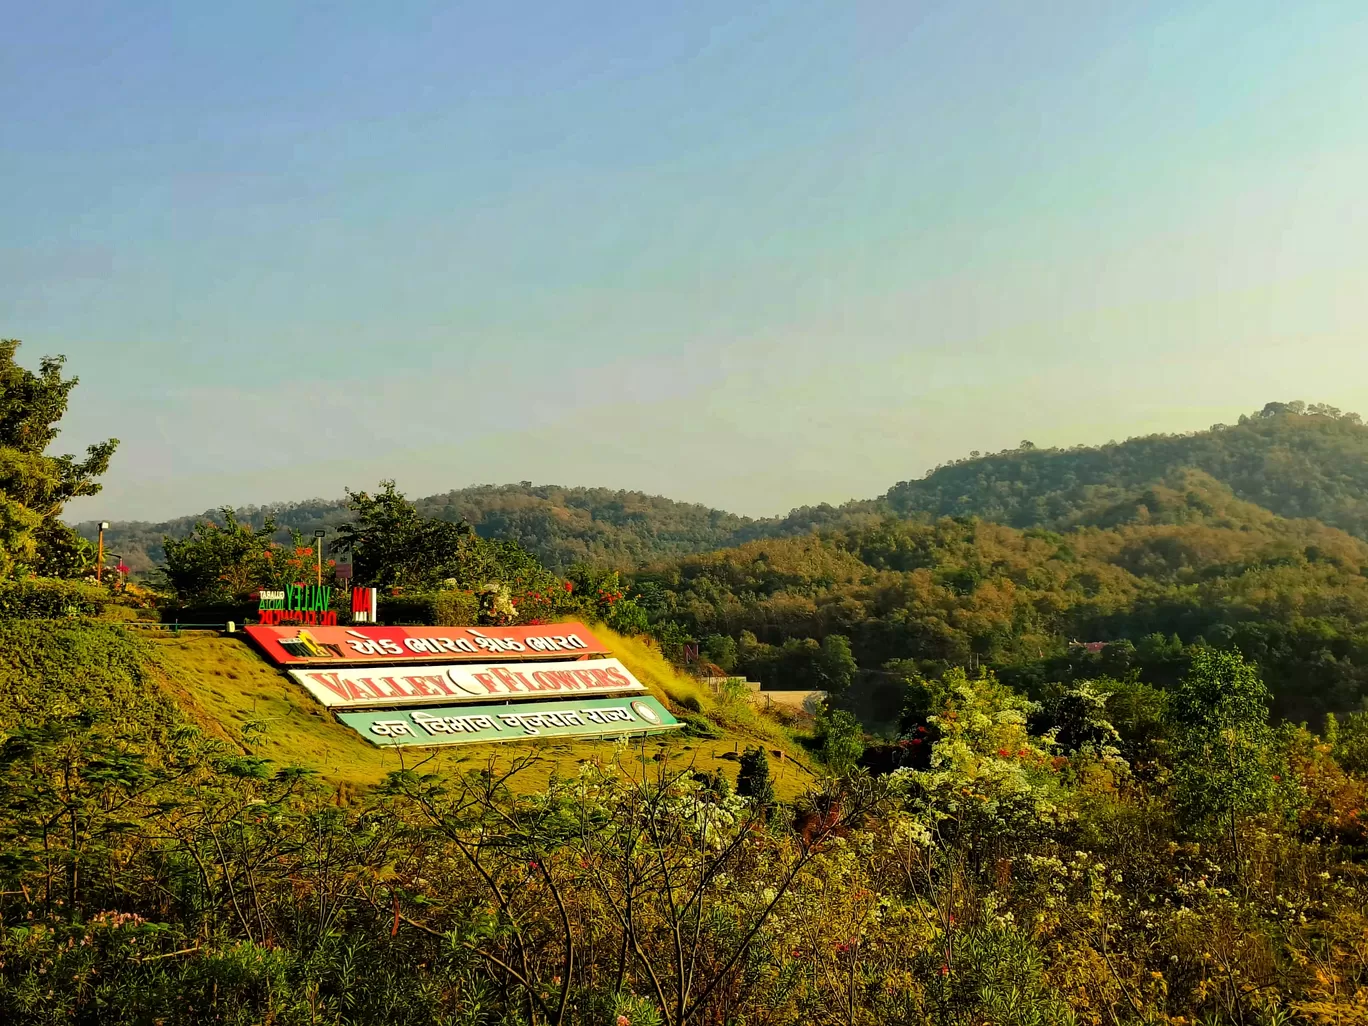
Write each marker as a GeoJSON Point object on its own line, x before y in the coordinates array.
{"type": "Point", "coordinates": [1293, 460]}
{"type": "Point", "coordinates": [1290, 459]}
{"type": "Point", "coordinates": [1176, 564]}
{"type": "Point", "coordinates": [561, 526]}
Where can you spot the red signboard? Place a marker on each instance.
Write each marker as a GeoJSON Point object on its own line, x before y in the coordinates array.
{"type": "Point", "coordinates": [295, 646]}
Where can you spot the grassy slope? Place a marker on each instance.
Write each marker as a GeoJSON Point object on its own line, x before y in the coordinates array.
{"type": "Point", "coordinates": [225, 687]}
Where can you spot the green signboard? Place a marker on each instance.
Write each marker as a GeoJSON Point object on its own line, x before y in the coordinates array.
{"type": "Point", "coordinates": [448, 725]}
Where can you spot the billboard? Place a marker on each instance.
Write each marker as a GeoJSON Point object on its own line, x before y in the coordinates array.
{"type": "Point", "coordinates": [360, 686]}
{"type": "Point", "coordinates": [305, 646]}
{"type": "Point", "coordinates": [585, 718]}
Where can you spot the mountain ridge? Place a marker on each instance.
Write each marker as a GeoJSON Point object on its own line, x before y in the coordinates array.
{"type": "Point", "coordinates": [1291, 459]}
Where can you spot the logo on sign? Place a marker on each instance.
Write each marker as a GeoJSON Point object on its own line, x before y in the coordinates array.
{"type": "Point", "coordinates": [297, 603]}
{"type": "Point", "coordinates": [363, 605]}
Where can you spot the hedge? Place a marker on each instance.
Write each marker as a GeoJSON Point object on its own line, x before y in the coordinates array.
{"type": "Point", "coordinates": [46, 598]}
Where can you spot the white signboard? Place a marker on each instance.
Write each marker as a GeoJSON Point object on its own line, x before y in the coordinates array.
{"type": "Point", "coordinates": [364, 686]}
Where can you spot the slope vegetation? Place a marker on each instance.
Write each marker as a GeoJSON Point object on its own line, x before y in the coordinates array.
{"type": "Point", "coordinates": [1174, 565]}
{"type": "Point", "coordinates": [153, 688]}
{"type": "Point", "coordinates": [1289, 461]}
{"type": "Point", "coordinates": [1295, 464]}
{"type": "Point", "coordinates": [560, 526]}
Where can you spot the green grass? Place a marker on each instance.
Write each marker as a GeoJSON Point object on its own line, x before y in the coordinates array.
{"type": "Point", "coordinates": [224, 686]}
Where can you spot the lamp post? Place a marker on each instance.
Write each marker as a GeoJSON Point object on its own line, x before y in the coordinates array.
{"type": "Point", "coordinates": [318, 551]}
{"type": "Point", "coordinates": [99, 561]}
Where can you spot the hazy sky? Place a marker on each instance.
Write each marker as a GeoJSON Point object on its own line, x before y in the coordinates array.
{"type": "Point", "coordinates": [753, 255]}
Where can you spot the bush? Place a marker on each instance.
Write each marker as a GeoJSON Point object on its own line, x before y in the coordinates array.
{"type": "Point", "coordinates": [210, 612]}
{"type": "Point", "coordinates": [842, 740]}
{"type": "Point", "coordinates": [454, 609]}
{"type": "Point", "coordinates": [451, 608]}
{"type": "Point", "coordinates": [42, 598]}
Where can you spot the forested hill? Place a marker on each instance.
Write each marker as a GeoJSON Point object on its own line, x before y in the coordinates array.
{"type": "Point", "coordinates": [1174, 567]}
{"type": "Point", "coordinates": [1290, 459]}
{"type": "Point", "coordinates": [1294, 460]}
{"type": "Point", "coordinates": [560, 526]}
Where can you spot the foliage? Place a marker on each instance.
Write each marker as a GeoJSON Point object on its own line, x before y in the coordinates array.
{"type": "Point", "coordinates": [152, 874]}
{"type": "Point", "coordinates": [1224, 757]}
{"type": "Point", "coordinates": [39, 598]}
{"type": "Point", "coordinates": [1293, 460]}
{"type": "Point", "coordinates": [1291, 595]}
{"type": "Point", "coordinates": [753, 778]}
{"type": "Point", "coordinates": [220, 563]}
{"type": "Point", "coordinates": [840, 739]}
{"type": "Point", "coordinates": [1349, 740]}
{"type": "Point", "coordinates": [392, 546]}
{"type": "Point", "coordinates": [447, 608]}
{"type": "Point", "coordinates": [34, 486]}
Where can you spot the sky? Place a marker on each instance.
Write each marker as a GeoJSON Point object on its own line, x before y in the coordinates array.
{"type": "Point", "coordinates": [746, 254]}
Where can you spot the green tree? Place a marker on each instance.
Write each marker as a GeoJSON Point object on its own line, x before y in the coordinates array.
{"type": "Point", "coordinates": [34, 487]}
{"type": "Point", "coordinates": [393, 546]}
{"type": "Point", "coordinates": [721, 650]}
{"type": "Point", "coordinates": [753, 778]}
{"type": "Point", "coordinates": [836, 666]}
{"type": "Point", "coordinates": [841, 738]}
{"type": "Point", "coordinates": [1080, 714]}
{"type": "Point", "coordinates": [1225, 764]}
{"type": "Point", "coordinates": [1348, 740]}
{"type": "Point", "coordinates": [220, 563]}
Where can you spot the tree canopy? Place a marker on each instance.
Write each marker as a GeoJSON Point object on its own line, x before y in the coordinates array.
{"type": "Point", "coordinates": [35, 486]}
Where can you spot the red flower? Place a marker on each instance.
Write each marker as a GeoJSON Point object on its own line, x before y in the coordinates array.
{"type": "Point", "coordinates": [944, 970]}
{"type": "Point", "coordinates": [569, 585]}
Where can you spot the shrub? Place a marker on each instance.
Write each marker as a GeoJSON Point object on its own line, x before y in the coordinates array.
{"type": "Point", "coordinates": [450, 608]}
{"type": "Point", "coordinates": [42, 598]}
{"type": "Point", "coordinates": [842, 740]}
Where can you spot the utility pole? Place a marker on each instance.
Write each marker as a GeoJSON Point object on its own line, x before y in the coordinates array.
{"type": "Point", "coordinates": [99, 562]}
{"type": "Point", "coordinates": [318, 551]}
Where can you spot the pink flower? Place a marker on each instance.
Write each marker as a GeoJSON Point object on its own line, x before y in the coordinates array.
{"type": "Point", "coordinates": [622, 1020]}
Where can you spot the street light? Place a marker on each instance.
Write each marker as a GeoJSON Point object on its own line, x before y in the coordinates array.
{"type": "Point", "coordinates": [318, 550]}
{"type": "Point", "coordinates": [99, 562]}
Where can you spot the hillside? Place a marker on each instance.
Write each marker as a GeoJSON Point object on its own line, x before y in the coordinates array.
{"type": "Point", "coordinates": [1286, 460]}
{"type": "Point", "coordinates": [153, 688]}
{"type": "Point", "coordinates": [1155, 572]}
{"type": "Point", "coordinates": [560, 526]}
{"type": "Point", "coordinates": [1289, 461]}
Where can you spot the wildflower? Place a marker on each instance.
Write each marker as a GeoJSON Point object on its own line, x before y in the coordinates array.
{"type": "Point", "coordinates": [622, 1020]}
{"type": "Point", "coordinates": [944, 969]}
